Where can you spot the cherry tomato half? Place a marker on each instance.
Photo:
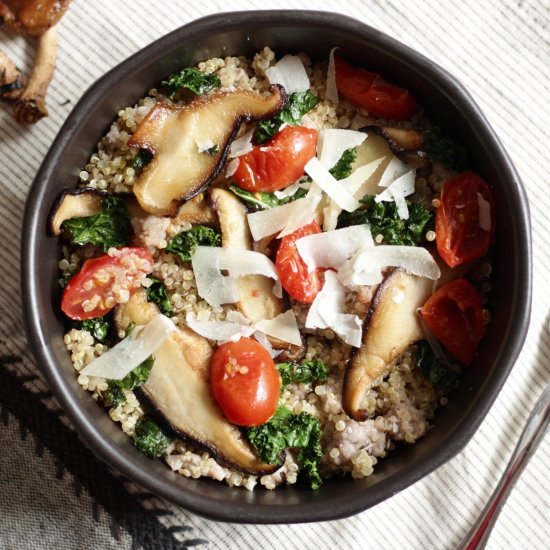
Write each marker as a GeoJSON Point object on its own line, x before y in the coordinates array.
{"type": "Point", "coordinates": [91, 292]}
{"type": "Point", "coordinates": [245, 382]}
{"type": "Point", "coordinates": [371, 92]}
{"type": "Point", "coordinates": [292, 270]}
{"type": "Point", "coordinates": [458, 234]}
{"type": "Point", "coordinates": [277, 163]}
{"type": "Point", "coordinates": [455, 316]}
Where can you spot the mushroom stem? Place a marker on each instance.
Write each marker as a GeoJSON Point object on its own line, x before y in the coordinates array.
{"type": "Point", "coordinates": [31, 105]}
{"type": "Point", "coordinates": [12, 81]}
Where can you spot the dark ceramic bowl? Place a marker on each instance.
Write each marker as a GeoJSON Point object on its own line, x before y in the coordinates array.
{"type": "Point", "coordinates": [447, 103]}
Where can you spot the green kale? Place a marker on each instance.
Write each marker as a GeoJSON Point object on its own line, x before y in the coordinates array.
{"type": "Point", "coordinates": [441, 376]}
{"type": "Point", "coordinates": [157, 294]}
{"type": "Point", "coordinates": [98, 327]}
{"type": "Point", "coordinates": [192, 79]}
{"type": "Point", "coordinates": [111, 227]}
{"type": "Point", "coordinates": [184, 244]}
{"type": "Point", "coordinates": [297, 105]}
{"type": "Point", "coordinates": [288, 430]}
{"type": "Point", "coordinates": [343, 168]}
{"type": "Point", "coordinates": [149, 438]}
{"type": "Point", "coordinates": [265, 200]}
{"type": "Point", "coordinates": [311, 370]}
{"type": "Point", "coordinates": [141, 159]}
{"type": "Point", "coordinates": [214, 150]}
{"type": "Point", "coordinates": [132, 380]}
{"type": "Point", "coordinates": [440, 148]}
{"type": "Point", "coordinates": [383, 220]}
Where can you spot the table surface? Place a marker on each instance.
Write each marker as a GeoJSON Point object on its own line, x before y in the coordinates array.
{"type": "Point", "coordinates": [55, 494]}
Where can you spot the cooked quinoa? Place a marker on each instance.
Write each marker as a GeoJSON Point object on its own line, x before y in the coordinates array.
{"type": "Point", "coordinates": [400, 406]}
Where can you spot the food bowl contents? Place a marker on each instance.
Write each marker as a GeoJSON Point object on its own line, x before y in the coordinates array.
{"type": "Point", "coordinates": [274, 270]}
{"type": "Point", "coordinates": [32, 18]}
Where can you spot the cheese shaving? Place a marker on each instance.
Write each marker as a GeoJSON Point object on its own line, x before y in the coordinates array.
{"type": "Point", "coordinates": [331, 91]}
{"type": "Point", "coordinates": [209, 264]}
{"type": "Point", "coordinates": [402, 187]}
{"type": "Point", "coordinates": [221, 331]}
{"type": "Point", "coordinates": [292, 189]}
{"type": "Point", "coordinates": [129, 353]}
{"type": "Point", "coordinates": [241, 145]}
{"type": "Point", "coordinates": [330, 185]}
{"type": "Point", "coordinates": [332, 143]}
{"type": "Point", "coordinates": [326, 311]}
{"type": "Point", "coordinates": [290, 73]}
{"type": "Point", "coordinates": [284, 327]}
{"type": "Point", "coordinates": [286, 218]}
{"type": "Point", "coordinates": [333, 248]}
{"type": "Point", "coordinates": [231, 167]}
{"type": "Point", "coordinates": [484, 213]}
{"type": "Point", "coordinates": [395, 169]}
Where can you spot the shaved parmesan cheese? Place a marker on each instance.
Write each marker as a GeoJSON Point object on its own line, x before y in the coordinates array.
{"type": "Point", "coordinates": [366, 266]}
{"type": "Point", "coordinates": [395, 169]}
{"type": "Point", "coordinates": [331, 91]}
{"type": "Point", "coordinates": [333, 142]}
{"type": "Point", "coordinates": [216, 288]}
{"type": "Point", "coordinates": [205, 145]}
{"type": "Point", "coordinates": [283, 327]}
{"type": "Point", "coordinates": [264, 341]}
{"type": "Point", "coordinates": [222, 331]}
{"type": "Point", "coordinates": [286, 218]}
{"type": "Point", "coordinates": [330, 185]}
{"type": "Point", "coordinates": [333, 248]}
{"type": "Point", "coordinates": [402, 187]}
{"type": "Point", "coordinates": [290, 73]}
{"type": "Point", "coordinates": [356, 185]}
{"type": "Point", "coordinates": [292, 189]}
{"type": "Point", "coordinates": [484, 209]}
{"type": "Point", "coordinates": [231, 168]}
{"type": "Point", "coordinates": [242, 145]}
{"type": "Point", "coordinates": [326, 312]}
{"type": "Point", "coordinates": [129, 353]}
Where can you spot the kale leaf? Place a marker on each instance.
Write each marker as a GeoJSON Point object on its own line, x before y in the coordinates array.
{"type": "Point", "coordinates": [141, 159]}
{"type": "Point", "coordinates": [132, 380]}
{"type": "Point", "coordinates": [98, 327]}
{"type": "Point", "coordinates": [111, 227]}
{"type": "Point", "coordinates": [343, 168]}
{"type": "Point", "coordinates": [265, 200]}
{"type": "Point", "coordinates": [441, 376]}
{"type": "Point", "coordinates": [191, 79]}
{"type": "Point", "coordinates": [311, 370]}
{"type": "Point", "coordinates": [184, 244]}
{"type": "Point", "coordinates": [297, 105]}
{"type": "Point", "coordinates": [288, 430]}
{"type": "Point", "coordinates": [157, 294]}
{"type": "Point", "coordinates": [383, 220]}
{"type": "Point", "coordinates": [440, 148]}
{"type": "Point", "coordinates": [149, 438]}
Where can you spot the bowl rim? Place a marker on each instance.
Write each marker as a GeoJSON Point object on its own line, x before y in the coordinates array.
{"type": "Point", "coordinates": [267, 513]}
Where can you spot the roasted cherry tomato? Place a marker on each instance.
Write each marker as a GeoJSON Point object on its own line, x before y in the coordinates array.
{"type": "Point", "coordinates": [459, 234]}
{"type": "Point", "coordinates": [245, 382]}
{"type": "Point", "coordinates": [279, 162]}
{"type": "Point", "coordinates": [292, 270]}
{"type": "Point", "coordinates": [455, 316]}
{"type": "Point", "coordinates": [94, 290]}
{"type": "Point", "coordinates": [371, 92]}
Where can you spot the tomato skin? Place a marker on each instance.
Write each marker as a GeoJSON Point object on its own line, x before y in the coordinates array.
{"type": "Point", "coordinates": [292, 270]}
{"type": "Point", "coordinates": [245, 382]}
{"type": "Point", "coordinates": [93, 273]}
{"type": "Point", "coordinates": [279, 162]}
{"type": "Point", "coordinates": [371, 92]}
{"type": "Point", "coordinates": [458, 236]}
{"type": "Point", "coordinates": [455, 316]}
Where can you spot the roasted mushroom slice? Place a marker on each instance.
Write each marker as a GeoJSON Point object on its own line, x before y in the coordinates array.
{"type": "Point", "coordinates": [190, 143]}
{"type": "Point", "coordinates": [197, 211]}
{"type": "Point", "coordinates": [256, 291]}
{"type": "Point", "coordinates": [178, 394]}
{"type": "Point", "coordinates": [390, 327]}
{"type": "Point", "coordinates": [407, 144]}
{"type": "Point", "coordinates": [74, 203]}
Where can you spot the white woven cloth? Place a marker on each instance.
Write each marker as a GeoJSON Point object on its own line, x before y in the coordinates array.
{"type": "Point", "coordinates": [501, 52]}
